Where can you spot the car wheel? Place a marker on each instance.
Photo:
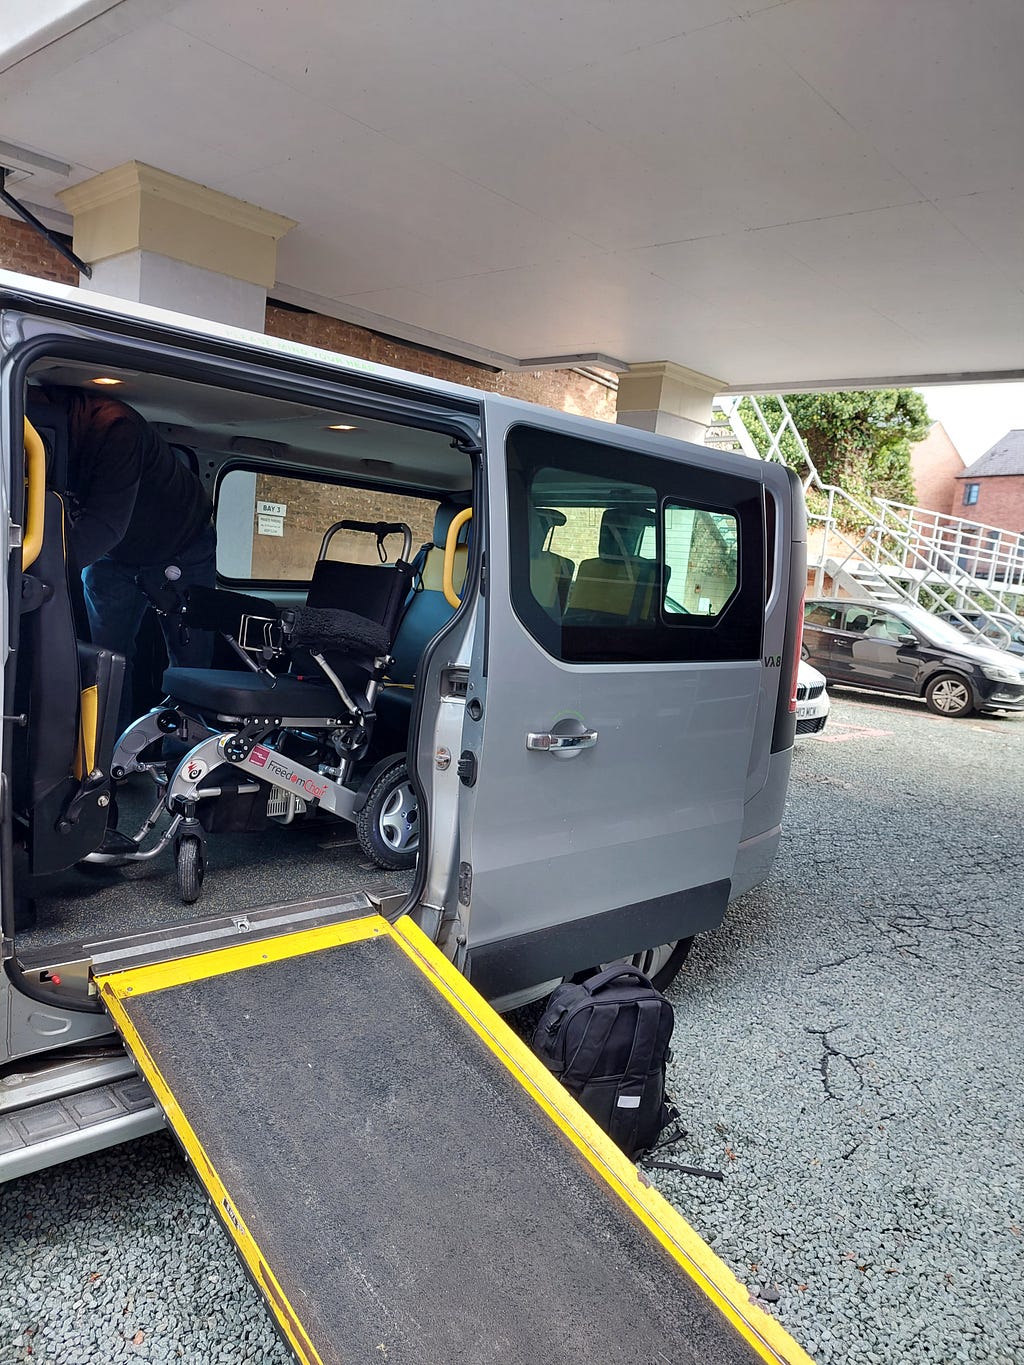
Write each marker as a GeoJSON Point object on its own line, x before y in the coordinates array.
{"type": "Point", "coordinates": [388, 825]}
{"type": "Point", "coordinates": [949, 695]}
{"type": "Point", "coordinates": [661, 965]}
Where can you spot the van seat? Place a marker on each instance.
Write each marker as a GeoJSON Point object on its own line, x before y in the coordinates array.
{"type": "Point", "coordinates": [427, 608]}
{"type": "Point", "coordinates": [618, 583]}
{"type": "Point", "coordinates": [550, 573]}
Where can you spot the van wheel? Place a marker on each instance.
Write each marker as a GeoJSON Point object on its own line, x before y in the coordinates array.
{"type": "Point", "coordinates": [949, 695]}
{"type": "Point", "coordinates": [661, 965]}
{"type": "Point", "coordinates": [388, 825]}
{"type": "Point", "coordinates": [191, 868]}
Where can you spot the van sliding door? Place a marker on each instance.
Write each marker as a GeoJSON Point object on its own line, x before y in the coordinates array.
{"type": "Point", "coordinates": [617, 693]}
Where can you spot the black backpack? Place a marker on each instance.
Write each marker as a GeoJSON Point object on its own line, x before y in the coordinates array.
{"type": "Point", "coordinates": [606, 1040]}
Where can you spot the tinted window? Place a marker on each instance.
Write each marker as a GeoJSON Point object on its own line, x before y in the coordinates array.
{"type": "Point", "coordinates": [618, 557]}
{"type": "Point", "coordinates": [885, 626]}
{"type": "Point", "coordinates": [971, 494]}
{"type": "Point", "coordinates": [820, 614]}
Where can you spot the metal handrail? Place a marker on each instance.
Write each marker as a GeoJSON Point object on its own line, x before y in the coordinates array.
{"type": "Point", "coordinates": [930, 547]}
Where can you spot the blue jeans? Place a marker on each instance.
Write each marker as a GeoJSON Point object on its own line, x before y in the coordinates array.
{"type": "Point", "coordinates": [116, 599]}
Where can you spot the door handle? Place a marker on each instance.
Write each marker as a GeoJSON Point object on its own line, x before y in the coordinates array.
{"type": "Point", "coordinates": [549, 743]}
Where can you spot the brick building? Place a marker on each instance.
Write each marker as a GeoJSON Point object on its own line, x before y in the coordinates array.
{"type": "Point", "coordinates": [935, 465]}
{"type": "Point", "coordinates": [991, 490]}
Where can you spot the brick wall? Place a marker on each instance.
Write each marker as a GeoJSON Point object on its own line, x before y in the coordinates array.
{"type": "Point", "coordinates": [562, 389]}
{"type": "Point", "coordinates": [934, 464]}
{"type": "Point", "coordinates": [1000, 501]}
{"type": "Point", "coordinates": [22, 249]}
{"type": "Point", "coordinates": [312, 507]}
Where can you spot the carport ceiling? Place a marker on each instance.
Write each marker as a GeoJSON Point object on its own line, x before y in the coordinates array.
{"type": "Point", "coordinates": [802, 192]}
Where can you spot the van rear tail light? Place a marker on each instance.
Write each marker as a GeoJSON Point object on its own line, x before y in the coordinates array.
{"type": "Point", "coordinates": [796, 654]}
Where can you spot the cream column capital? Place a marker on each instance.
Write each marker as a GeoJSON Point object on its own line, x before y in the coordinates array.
{"type": "Point", "coordinates": [661, 396]}
{"type": "Point", "coordinates": [666, 386]}
{"type": "Point", "coordinates": [136, 207]}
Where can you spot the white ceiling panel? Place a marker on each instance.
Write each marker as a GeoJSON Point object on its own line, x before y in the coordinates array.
{"type": "Point", "coordinates": [934, 84]}
{"type": "Point", "coordinates": [763, 191]}
{"type": "Point", "coordinates": [994, 224]}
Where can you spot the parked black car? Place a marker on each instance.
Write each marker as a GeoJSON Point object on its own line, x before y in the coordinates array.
{"type": "Point", "coordinates": [902, 648]}
{"type": "Point", "coordinates": [976, 623]}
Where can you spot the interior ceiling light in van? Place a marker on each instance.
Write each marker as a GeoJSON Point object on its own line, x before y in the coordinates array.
{"type": "Point", "coordinates": [106, 379]}
{"type": "Point", "coordinates": [340, 426]}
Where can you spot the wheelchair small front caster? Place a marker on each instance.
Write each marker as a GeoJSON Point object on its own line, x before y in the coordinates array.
{"type": "Point", "coordinates": [190, 861]}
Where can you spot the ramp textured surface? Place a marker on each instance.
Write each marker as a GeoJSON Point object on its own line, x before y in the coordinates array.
{"type": "Point", "coordinates": [413, 1202]}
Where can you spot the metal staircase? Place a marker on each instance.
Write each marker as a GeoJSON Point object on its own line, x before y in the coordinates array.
{"type": "Point", "coordinates": [888, 550]}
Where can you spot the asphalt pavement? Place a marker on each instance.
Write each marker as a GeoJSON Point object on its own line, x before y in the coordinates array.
{"type": "Point", "coordinates": [848, 1053]}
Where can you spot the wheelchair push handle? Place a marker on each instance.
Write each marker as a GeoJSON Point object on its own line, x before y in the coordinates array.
{"type": "Point", "coordinates": [380, 529]}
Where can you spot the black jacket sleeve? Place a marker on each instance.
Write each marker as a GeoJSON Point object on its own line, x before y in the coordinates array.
{"type": "Point", "coordinates": [111, 468]}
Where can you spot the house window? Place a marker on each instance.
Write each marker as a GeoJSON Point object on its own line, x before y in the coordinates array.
{"type": "Point", "coordinates": [971, 493]}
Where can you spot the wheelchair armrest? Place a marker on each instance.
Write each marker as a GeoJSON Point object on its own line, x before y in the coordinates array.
{"type": "Point", "coordinates": [330, 628]}
{"type": "Point", "coordinates": [219, 610]}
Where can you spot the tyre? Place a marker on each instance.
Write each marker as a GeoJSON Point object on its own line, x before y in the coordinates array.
{"type": "Point", "coordinates": [388, 824]}
{"type": "Point", "coordinates": [949, 695]}
{"type": "Point", "coordinates": [661, 965]}
{"type": "Point", "coordinates": [190, 862]}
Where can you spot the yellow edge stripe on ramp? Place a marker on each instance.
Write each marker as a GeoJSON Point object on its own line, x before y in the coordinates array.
{"type": "Point", "coordinates": [711, 1275]}
{"type": "Point", "coordinates": [687, 1248]}
{"type": "Point", "coordinates": [118, 987]}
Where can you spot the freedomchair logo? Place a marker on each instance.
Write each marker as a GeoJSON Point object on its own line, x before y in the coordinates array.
{"type": "Point", "coordinates": [266, 758]}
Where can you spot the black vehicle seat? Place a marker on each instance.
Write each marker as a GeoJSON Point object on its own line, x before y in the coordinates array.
{"type": "Point", "coordinates": [618, 584]}
{"type": "Point", "coordinates": [859, 622]}
{"type": "Point", "coordinates": [70, 692]}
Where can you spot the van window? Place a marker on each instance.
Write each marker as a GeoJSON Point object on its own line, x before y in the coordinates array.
{"type": "Point", "coordinates": [619, 557]}
{"type": "Point", "coordinates": [270, 526]}
{"type": "Point", "coordinates": [701, 559]}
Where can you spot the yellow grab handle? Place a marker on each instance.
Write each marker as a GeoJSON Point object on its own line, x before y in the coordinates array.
{"type": "Point", "coordinates": [450, 544]}
{"type": "Point", "coordinates": [35, 495]}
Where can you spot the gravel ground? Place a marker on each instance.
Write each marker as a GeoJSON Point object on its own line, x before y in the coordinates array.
{"type": "Point", "coordinates": [848, 1048]}
{"type": "Point", "coordinates": [847, 1051]}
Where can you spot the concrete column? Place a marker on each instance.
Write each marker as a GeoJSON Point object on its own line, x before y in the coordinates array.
{"type": "Point", "coordinates": [158, 239]}
{"type": "Point", "coordinates": [667, 398]}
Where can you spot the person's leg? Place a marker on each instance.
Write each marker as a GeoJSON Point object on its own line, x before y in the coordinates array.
{"type": "Point", "coordinates": [115, 606]}
{"type": "Point", "coordinates": [198, 568]}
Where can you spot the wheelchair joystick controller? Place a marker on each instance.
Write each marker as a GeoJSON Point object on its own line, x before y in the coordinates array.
{"type": "Point", "coordinates": [172, 573]}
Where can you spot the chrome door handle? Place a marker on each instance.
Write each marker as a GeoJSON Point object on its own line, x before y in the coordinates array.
{"type": "Point", "coordinates": [549, 743]}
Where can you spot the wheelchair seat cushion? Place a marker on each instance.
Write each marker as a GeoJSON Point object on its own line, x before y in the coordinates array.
{"type": "Point", "coordinates": [242, 693]}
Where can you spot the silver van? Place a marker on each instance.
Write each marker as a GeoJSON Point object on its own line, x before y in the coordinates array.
{"type": "Point", "coordinates": [526, 677]}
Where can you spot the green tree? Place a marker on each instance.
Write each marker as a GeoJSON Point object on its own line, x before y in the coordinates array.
{"type": "Point", "coordinates": [860, 440]}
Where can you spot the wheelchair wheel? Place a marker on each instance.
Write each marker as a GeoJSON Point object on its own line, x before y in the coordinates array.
{"type": "Point", "coordinates": [191, 867]}
{"type": "Point", "coordinates": [388, 825]}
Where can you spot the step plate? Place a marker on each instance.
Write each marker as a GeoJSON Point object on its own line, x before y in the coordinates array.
{"type": "Point", "coordinates": [403, 1178]}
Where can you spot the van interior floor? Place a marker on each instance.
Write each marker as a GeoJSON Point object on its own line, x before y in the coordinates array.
{"type": "Point", "coordinates": [304, 860]}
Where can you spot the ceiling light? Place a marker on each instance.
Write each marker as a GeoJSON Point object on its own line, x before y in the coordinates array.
{"type": "Point", "coordinates": [105, 379]}
{"type": "Point", "coordinates": [340, 426]}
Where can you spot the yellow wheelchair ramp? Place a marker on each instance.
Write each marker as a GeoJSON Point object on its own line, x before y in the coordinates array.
{"type": "Point", "coordinates": [403, 1179]}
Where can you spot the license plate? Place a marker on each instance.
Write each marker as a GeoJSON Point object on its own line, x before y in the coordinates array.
{"type": "Point", "coordinates": [804, 712]}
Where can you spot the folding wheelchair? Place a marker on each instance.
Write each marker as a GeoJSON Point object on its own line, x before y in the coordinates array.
{"type": "Point", "coordinates": [258, 744]}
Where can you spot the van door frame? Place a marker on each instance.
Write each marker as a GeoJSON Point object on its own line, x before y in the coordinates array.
{"type": "Point", "coordinates": [50, 329]}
